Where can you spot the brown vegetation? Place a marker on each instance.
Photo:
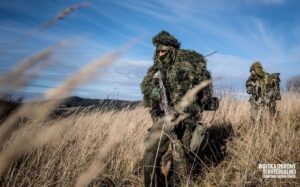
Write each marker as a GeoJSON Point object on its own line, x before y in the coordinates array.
{"type": "Point", "coordinates": [105, 148]}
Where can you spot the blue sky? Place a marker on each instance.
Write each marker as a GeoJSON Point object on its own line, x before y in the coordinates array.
{"type": "Point", "coordinates": [242, 31]}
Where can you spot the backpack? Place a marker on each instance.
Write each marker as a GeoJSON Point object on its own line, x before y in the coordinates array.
{"type": "Point", "coordinates": [272, 82]}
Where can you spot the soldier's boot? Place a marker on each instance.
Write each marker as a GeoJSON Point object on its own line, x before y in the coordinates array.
{"type": "Point", "coordinates": [150, 174]}
{"type": "Point", "coordinates": [180, 163]}
{"type": "Point", "coordinates": [153, 176]}
{"type": "Point", "coordinates": [166, 166]}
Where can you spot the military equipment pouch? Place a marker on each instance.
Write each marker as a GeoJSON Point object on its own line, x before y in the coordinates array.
{"type": "Point", "coordinates": [155, 94]}
{"type": "Point", "coordinates": [276, 79]}
{"type": "Point", "coordinates": [272, 82]}
{"type": "Point", "coordinates": [156, 112]}
{"type": "Point", "coordinates": [197, 137]}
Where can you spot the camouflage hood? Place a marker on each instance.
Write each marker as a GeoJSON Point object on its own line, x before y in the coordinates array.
{"type": "Point", "coordinates": [165, 38]}
{"type": "Point", "coordinates": [257, 68]}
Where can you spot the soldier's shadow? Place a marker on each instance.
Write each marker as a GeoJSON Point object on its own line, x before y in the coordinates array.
{"type": "Point", "coordinates": [213, 149]}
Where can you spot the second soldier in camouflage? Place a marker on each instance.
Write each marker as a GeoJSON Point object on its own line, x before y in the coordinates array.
{"type": "Point", "coordinates": [265, 90]}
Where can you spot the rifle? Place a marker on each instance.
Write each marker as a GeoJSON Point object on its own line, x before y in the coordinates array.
{"type": "Point", "coordinates": [175, 147]}
{"type": "Point", "coordinates": [173, 118]}
{"type": "Point", "coordinates": [170, 113]}
{"type": "Point", "coordinates": [163, 103]}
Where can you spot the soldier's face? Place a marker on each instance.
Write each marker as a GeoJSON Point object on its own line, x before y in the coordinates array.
{"type": "Point", "coordinates": [161, 53]}
{"type": "Point", "coordinates": [253, 72]}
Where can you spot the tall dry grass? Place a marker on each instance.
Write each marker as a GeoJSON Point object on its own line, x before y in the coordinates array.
{"type": "Point", "coordinates": [109, 140]}
{"type": "Point", "coordinates": [58, 17]}
{"type": "Point", "coordinates": [273, 141]}
{"type": "Point", "coordinates": [39, 113]}
{"type": "Point", "coordinates": [105, 148]}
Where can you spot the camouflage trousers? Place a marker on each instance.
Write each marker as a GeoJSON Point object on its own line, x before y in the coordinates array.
{"type": "Point", "coordinates": [165, 162]}
{"type": "Point", "coordinates": [260, 111]}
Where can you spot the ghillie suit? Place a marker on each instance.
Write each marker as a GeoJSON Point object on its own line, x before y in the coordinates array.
{"type": "Point", "coordinates": [180, 71]}
{"type": "Point", "coordinates": [265, 90]}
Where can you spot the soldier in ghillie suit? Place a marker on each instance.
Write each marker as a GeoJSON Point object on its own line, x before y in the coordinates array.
{"type": "Point", "coordinates": [180, 71]}
{"type": "Point", "coordinates": [265, 90]}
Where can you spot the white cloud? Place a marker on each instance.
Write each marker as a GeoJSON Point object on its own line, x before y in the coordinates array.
{"type": "Point", "coordinates": [144, 7]}
{"type": "Point", "coordinates": [135, 62]}
{"type": "Point", "coordinates": [229, 66]}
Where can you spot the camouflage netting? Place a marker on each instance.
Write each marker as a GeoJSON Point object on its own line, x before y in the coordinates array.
{"type": "Point", "coordinates": [257, 67]}
{"type": "Point", "coordinates": [165, 38]}
{"type": "Point", "coordinates": [191, 56]}
{"type": "Point", "coordinates": [264, 89]}
{"type": "Point", "coordinates": [188, 70]}
{"type": "Point", "coordinates": [181, 70]}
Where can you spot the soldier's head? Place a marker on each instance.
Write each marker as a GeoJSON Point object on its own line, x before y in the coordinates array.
{"type": "Point", "coordinates": [165, 44]}
{"type": "Point", "coordinates": [257, 69]}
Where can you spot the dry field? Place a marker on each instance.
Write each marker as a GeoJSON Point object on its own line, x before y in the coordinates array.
{"type": "Point", "coordinates": [105, 148]}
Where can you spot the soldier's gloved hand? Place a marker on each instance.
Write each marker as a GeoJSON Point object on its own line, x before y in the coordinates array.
{"type": "Point", "coordinates": [212, 105]}
{"type": "Point", "coordinates": [155, 82]}
{"type": "Point", "coordinates": [155, 94]}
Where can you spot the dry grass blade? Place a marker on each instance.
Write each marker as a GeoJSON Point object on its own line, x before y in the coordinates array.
{"type": "Point", "coordinates": [40, 112]}
{"type": "Point", "coordinates": [190, 96]}
{"type": "Point", "coordinates": [95, 167]}
{"type": "Point", "coordinates": [64, 13]}
{"type": "Point", "coordinates": [18, 77]}
{"type": "Point", "coordinates": [61, 15]}
{"type": "Point", "coordinates": [28, 142]}
{"type": "Point", "coordinates": [29, 69]}
{"type": "Point", "coordinates": [185, 101]}
{"type": "Point", "coordinates": [84, 75]}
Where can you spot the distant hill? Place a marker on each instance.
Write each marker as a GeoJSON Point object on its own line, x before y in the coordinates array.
{"type": "Point", "coordinates": [75, 104]}
{"type": "Point", "coordinates": [71, 105]}
{"type": "Point", "coordinates": [76, 101]}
